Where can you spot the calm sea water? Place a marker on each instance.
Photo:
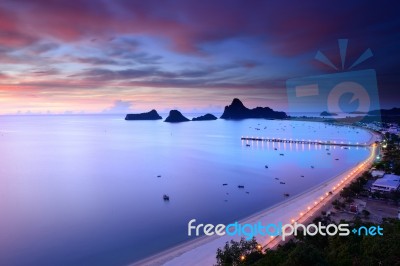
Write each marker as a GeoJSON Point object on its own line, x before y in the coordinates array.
{"type": "Point", "coordinates": [83, 190]}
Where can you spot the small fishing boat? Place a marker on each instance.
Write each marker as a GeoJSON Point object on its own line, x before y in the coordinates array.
{"type": "Point", "coordinates": [166, 197]}
{"type": "Point", "coordinates": [240, 186]}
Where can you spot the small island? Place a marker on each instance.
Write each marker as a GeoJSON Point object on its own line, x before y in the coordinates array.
{"type": "Point", "coordinates": [238, 111]}
{"type": "Point", "coordinates": [386, 112]}
{"type": "Point", "coordinates": [152, 115]}
{"type": "Point", "coordinates": [205, 117]}
{"type": "Point", "coordinates": [358, 113]}
{"type": "Point", "coordinates": [175, 117]}
{"type": "Point", "coordinates": [325, 113]}
{"type": "Point", "coordinates": [234, 111]}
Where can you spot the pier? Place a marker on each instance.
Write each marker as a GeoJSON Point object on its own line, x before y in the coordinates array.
{"type": "Point", "coordinates": [311, 142]}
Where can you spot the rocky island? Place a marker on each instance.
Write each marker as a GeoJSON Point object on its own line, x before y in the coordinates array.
{"type": "Point", "coordinates": [386, 112]}
{"type": "Point", "coordinates": [152, 115]}
{"type": "Point", "coordinates": [325, 113]}
{"type": "Point", "coordinates": [205, 117]}
{"type": "Point", "coordinates": [175, 117]}
{"type": "Point", "coordinates": [238, 111]}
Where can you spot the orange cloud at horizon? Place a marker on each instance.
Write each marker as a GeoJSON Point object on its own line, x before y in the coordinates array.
{"type": "Point", "coordinates": [16, 99]}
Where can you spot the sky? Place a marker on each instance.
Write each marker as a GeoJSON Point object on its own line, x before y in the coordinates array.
{"type": "Point", "coordinates": [118, 56]}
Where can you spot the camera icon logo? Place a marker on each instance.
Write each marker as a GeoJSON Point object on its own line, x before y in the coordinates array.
{"type": "Point", "coordinates": [348, 93]}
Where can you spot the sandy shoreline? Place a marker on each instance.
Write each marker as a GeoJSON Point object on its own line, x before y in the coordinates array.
{"type": "Point", "coordinates": [201, 251]}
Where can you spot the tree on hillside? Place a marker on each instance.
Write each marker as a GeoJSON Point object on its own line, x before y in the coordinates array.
{"type": "Point", "coordinates": [339, 250]}
{"type": "Point", "coordinates": [241, 252]}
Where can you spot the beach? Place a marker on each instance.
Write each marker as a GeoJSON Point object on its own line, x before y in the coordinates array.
{"type": "Point", "coordinates": [299, 209]}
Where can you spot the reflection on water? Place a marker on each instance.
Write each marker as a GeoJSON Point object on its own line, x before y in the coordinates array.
{"type": "Point", "coordinates": [85, 190]}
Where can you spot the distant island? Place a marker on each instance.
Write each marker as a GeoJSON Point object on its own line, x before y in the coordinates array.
{"type": "Point", "coordinates": [358, 113]}
{"type": "Point", "coordinates": [325, 113]}
{"type": "Point", "coordinates": [386, 112]}
{"type": "Point", "coordinates": [152, 115]}
{"type": "Point", "coordinates": [238, 111]}
{"type": "Point", "coordinates": [175, 117]}
{"type": "Point", "coordinates": [205, 117]}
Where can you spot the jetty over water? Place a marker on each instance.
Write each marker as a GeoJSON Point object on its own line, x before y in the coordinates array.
{"type": "Point", "coordinates": [310, 142]}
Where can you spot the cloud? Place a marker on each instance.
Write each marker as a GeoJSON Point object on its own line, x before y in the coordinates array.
{"type": "Point", "coordinates": [208, 83]}
{"type": "Point", "coordinates": [3, 76]}
{"type": "Point", "coordinates": [40, 48]}
{"type": "Point", "coordinates": [287, 28]}
{"type": "Point", "coordinates": [249, 63]}
{"type": "Point", "coordinates": [119, 107]}
{"type": "Point", "coordinates": [142, 58]}
{"type": "Point", "coordinates": [101, 43]}
{"type": "Point", "coordinates": [45, 72]}
{"type": "Point", "coordinates": [14, 39]}
{"type": "Point", "coordinates": [102, 74]}
{"type": "Point", "coordinates": [153, 73]}
{"type": "Point", "coordinates": [10, 34]}
{"type": "Point", "coordinates": [96, 61]}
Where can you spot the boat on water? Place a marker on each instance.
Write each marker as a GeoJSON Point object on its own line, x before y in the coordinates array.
{"type": "Point", "coordinates": [166, 197]}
